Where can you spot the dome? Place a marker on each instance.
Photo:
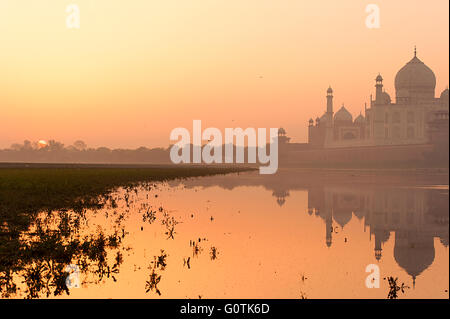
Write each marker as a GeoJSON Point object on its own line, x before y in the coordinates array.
{"type": "Point", "coordinates": [323, 118]}
{"type": "Point", "coordinates": [414, 257]}
{"type": "Point", "coordinates": [360, 119]}
{"type": "Point", "coordinates": [343, 115]}
{"type": "Point", "coordinates": [342, 216]}
{"type": "Point", "coordinates": [444, 241]}
{"type": "Point", "coordinates": [379, 78]}
{"type": "Point", "coordinates": [444, 97]}
{"type": "Point", "coordinates": [415, 78]}
{"type": "Point", "coordinates": [414, 260]}
{"type": "Point", "coordinates": [359, 213]}
{"type": "Point", "coordinates": [330, 90]}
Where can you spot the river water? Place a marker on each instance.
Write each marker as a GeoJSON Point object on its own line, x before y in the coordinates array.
{"type": "Point", "coordinates": [296, 234]}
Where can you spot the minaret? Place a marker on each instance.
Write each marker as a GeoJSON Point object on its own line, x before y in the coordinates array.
{"type": "Point", "coordinates": [328, 211]}
{"type": "Point", "coordinates": [329, 229]}
{"type": "Point", "coordinates": [310, 131]}
{"type": "Point", "coordinates": [379, 89]}
{"type": "Point", "coordinates": [378, 114]}
{"type": "Point", "coordinates": [329, 116]}
{"type": "Point", "coordinates": [378, 249]}
{"type": "Point", "coordinates": [330, 100]}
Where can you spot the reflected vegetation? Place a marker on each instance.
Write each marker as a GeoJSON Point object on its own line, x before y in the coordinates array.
{"type": "Point", "coordinates": [33, 260]}
{"type": "Point", "coordinates": [395, 288]}
{"type": "Point", "coordinates": [159, 263]}
{"type": "Point", "coordinates": [99, 238]}
{"type": "Point", "coordinates": [36, 251]}
{"type": "Point", "coordinates": [46, 223]}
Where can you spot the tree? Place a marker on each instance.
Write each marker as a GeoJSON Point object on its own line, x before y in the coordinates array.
{"type": "Point", "coordinates": [53, 145]}
{"type": "Point", "coordinates": [27, 145]}
{"type": "Point", "coordinates": [80, 145]}
{"type": "Point", "coordinates": [16, 147]}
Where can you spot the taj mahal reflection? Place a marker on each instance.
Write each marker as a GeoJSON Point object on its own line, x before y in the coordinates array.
{"type": "Point", "coordinates": [415, 212]}
{"type": "Point", "coordinates": [415, 216]}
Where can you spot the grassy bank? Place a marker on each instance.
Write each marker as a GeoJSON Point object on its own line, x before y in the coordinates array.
{"type": "Point", "coordinates": [36, 248]}
{"type": "Point", "coordinates": [26, 190]}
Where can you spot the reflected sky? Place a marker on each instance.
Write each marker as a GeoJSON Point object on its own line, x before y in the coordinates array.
{"type": "Point", "coordinates": [296, 234]}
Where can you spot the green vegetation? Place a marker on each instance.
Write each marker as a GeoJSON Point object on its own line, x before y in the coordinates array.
{"type": "Point", "coordinates": [28, 190]}
{"type": "Point", "coordinates": [43, 222]}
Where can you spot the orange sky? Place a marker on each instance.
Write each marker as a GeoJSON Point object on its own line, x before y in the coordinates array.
{"type": "Point", "coordinates": [137, 69]}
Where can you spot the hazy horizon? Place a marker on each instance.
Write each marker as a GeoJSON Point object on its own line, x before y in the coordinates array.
{"type": "Point", "coordinates": [135, 71]}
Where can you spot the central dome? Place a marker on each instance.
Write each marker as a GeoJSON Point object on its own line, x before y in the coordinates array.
{"type": "Point", "coordinates": [414, 260]}
{"type": "Point", "coordinates": [415, 79]}
{"type": "Point", "coordinates": [343, 115]}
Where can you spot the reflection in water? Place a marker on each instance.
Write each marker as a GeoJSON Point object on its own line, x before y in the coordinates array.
{"type": "Point", "coordinates": [226, 236]}
{"type": "Point", "coordinates": [33, 261]}
{"type": "Point", "coordinates": [395, 288]}
{"type": "Point", "coordinates": [160, 263]}
{"type": "Point", "coordinates": [416, 215]}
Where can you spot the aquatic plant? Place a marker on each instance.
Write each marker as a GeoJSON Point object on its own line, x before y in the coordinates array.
{"type": "Point", "coordinates": [394, 288]}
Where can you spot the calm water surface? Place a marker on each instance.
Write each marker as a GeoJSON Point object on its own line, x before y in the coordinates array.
{"type": "Point", "coordinates": [296, 234]}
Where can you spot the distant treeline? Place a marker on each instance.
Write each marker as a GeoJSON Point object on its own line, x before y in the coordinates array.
{"type": "Point", "coordinates": [56, 152]}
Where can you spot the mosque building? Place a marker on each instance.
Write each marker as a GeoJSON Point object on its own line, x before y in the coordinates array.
{"type": "Point", "coordinates": [416, 117]}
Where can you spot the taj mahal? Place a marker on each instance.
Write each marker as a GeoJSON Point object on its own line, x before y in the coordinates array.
{"type": "Point", "coordinates": [416, 117]}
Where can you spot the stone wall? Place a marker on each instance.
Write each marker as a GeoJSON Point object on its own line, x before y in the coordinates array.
{"type": "Point", "coordinates": [377, 155]}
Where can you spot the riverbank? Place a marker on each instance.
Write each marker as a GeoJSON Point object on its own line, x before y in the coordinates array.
{"type": "Point", "coordinates": [28, 188]}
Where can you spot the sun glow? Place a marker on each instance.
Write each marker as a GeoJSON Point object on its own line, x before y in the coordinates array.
{"type": "Point", "coordinates": [42, 143]}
